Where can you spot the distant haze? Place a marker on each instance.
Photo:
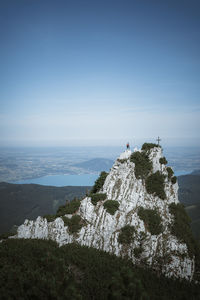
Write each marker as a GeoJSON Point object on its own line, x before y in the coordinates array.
{"type": "Point", "coordinates": [82, 73]}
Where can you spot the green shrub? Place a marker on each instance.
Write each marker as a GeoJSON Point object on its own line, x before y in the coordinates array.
{"type": "Point", "coordinates": [138, 251]}
{"type": "Point", "coordinates": [111, 206]}
{"type": "Point", "coordinates": [69, 208]}
{"type": "Point", "coordinates": [126, 234]}
{"type": "Point", "coordinates": [99, 182]}
{"type": "Point", "coordinates": [155, 185]}
{"type": "Point", "coordinates": [122, 160]}
{"type": "Point", "coordinates": [163, 161]}
{"type": "Point", "coordinates": [97, 197]}
{"type": "Point", "coordinates": [170, 172]}
{"type": "Point", "coordinates": [151, 219]}
{"type": "Point", "coordinates": [50, 218]}
{"type": "Point", "coordinates": [173, 179]}
{"type": "Point", "coordinates": [181, 226]}
{"type": "Point", "coordinates": [6, 235]}
{"type": "Point", "coordinates": [149, 146]}
{"type": "Point", "coordinates": [143, 165]}
{"type": "Point", "coordinates": [74, 224]}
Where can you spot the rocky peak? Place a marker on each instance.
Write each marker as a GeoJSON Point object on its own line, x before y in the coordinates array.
{"type": "Point", "coordinates": [131, 214]}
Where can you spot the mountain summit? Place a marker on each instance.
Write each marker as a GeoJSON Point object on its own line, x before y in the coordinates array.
{"type": "Point", "coordinates": [132, 212]}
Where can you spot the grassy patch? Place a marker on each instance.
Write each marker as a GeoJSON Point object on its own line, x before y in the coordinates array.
{"type": "Point", "coordinates": [111, 206]}
{"type": "Point", "coordinates": [155, 185]}
{"type": "Point", "coordinates": [151, 219]}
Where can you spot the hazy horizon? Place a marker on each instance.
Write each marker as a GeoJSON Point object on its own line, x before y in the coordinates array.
{"type": "Point", "coordinates": [121, 143]}
{"type": "Point", "coordinates": [83, 73]}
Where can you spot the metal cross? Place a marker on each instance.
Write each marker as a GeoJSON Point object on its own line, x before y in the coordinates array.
{"type": "Point", "coordinates": [158, 140]}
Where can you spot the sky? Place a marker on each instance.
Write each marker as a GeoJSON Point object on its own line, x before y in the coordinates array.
{"type": "Point", "coordinates": [99, 72]}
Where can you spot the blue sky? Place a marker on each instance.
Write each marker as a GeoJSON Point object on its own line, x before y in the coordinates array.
{"type": "Point", "coordinates": [99, 72]}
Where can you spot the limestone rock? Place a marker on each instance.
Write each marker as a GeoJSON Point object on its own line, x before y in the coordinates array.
{"type": "Point", "coordinates": [163, 252]}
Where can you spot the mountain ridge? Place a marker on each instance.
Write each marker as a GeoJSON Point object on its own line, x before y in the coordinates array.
{"type": "Point", "coordinates": [95, 164]}
{"type": "Point", "coordinates": [158, 245]}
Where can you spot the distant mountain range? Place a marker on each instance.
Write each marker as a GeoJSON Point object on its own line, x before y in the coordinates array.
{"type": "Point", "coordinates": [196, 172]}
{"type": "Point", "coordinates": [21, 201]}
{"type": "Point", "coordinates": [189, 195]}
{"type": "Point", "coordinates": [96, 164]}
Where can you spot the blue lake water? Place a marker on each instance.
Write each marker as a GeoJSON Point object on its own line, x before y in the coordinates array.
{"type": "Point", "coordinates": [73, 180]}
{"type": "Point", "coordinates": [62, 180]}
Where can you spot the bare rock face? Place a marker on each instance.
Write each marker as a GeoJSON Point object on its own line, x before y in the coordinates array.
{"type": "Point", "coordinates": [159, 250]}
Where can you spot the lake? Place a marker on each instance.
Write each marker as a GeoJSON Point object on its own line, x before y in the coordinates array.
{"type": "Point", "coordinates": [73, 180]}
{"type": "Point", "coordinates": [62, 180]}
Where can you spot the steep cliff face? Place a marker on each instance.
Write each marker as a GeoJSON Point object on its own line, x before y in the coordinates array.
{"type": "Point", "coordinates": [141, 226]}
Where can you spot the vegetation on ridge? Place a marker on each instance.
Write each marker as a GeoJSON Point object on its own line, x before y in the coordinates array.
{"type": "Point", "coordinates": [143, 165]}
{"type": "Point", "coordinates": [50, 218]}
{"type": "Point", "coordinates": [75, 223]}
{"type": "Point", "coordinates": [123, 160]}
{"type": "Point", "coordinates": [111, 206]}
{"type": "Point", "coordinates": [126, 235]}
{"type": "Point", "coordinates": [163, 160]}
{"type": "Point", "coordinates": [181, 226]}
{"type": "Point", "coordinates": [170, 175]}
{"type": "Point", "coordinates": [155, 184]}
{"type": "Point", "coordinates": [173, 179]}
{"type": "Point", "coordinates": [149, 146]}
{"type": "Point", "coordinates": [99, 182]}
{"type": "Point", "coordinates": [151, 219]}
{"type": "Point", "coordinates": [69, 208]}
{"type": "Point", "coordinates": [170, 172]}
{"type": "Point", "coordinates": [97, 197]}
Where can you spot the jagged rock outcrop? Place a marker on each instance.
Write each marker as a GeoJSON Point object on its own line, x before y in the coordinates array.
{"type": "Point", "coordinates": [160, 250]}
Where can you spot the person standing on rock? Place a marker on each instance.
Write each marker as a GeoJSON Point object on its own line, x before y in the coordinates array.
{"type": "Point", "coordinates": [128, 146]}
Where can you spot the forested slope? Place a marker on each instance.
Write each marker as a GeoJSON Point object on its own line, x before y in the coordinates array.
{"type": "Point", "coordinates": [189, 195]}
{"type": "Point", "coordinates": [21, 201]}
{"type": "Point", "coordinates": [38, 269]}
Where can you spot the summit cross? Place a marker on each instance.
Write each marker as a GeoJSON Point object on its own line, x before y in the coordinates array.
{"type": "Point", "coordinates": [158, 140]}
